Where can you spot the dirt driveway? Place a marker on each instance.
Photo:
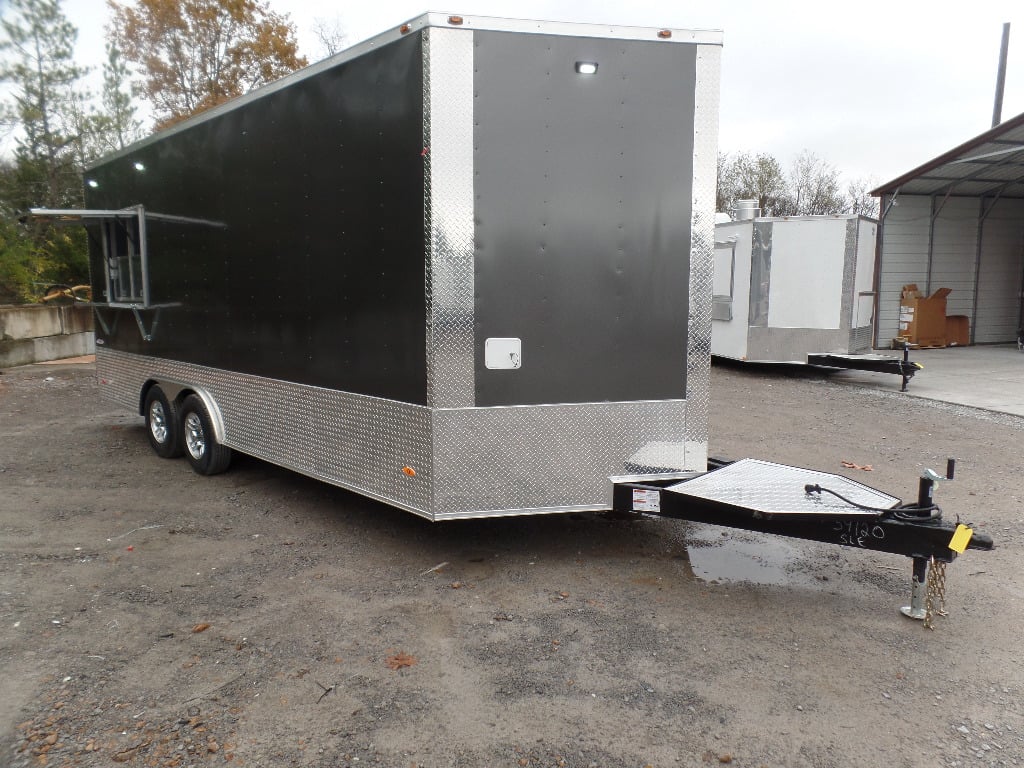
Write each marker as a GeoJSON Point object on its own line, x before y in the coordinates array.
{"type": "Point", "coordinates": [152, 617]}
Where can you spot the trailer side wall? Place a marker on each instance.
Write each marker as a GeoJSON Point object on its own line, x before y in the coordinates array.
{"type": "Point", "coordinates": [312, 268]}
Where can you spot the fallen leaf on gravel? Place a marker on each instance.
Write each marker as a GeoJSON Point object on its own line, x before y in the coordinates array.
{"type": "Point", "coordinates": [851, 465]}
{"type": "Point", "coordinates": [725, 759]}
{"type": "Point", "coordinates": [201, 627]}
{"type": "Point", "coordinates": [457, 585]}
{"type": "Point", "coordinates": [398, 660]}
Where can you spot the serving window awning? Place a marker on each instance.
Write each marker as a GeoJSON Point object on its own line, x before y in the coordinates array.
{"type": "Point", "coordinates": [989, 165]}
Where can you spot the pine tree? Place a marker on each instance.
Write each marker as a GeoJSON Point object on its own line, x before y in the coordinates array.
{"type": "Point", "coordinates": [119, 126]}
{"type": "Point", "coordinates": [36, 61]}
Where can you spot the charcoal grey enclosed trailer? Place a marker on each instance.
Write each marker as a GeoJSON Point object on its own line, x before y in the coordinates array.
{"type": "Point", "coordinates": [463, 267]}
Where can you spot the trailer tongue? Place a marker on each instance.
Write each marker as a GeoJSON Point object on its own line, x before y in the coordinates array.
{"type": "Point", "coordinates": [800, 503]}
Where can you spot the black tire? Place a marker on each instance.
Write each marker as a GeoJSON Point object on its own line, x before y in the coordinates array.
{"type": "Point", "coordinates": [163, 426]}
{"type": "Point", "coordinates": [204, 453]}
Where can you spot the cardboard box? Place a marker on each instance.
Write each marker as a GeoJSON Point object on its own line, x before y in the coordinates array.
{"type": "Point", "coordinates": [923, 320]}
{"type": "Point", "coordinates": [958, 330]}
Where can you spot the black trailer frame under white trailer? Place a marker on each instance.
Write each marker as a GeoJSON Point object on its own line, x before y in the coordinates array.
{"type": "Point", "coordinates": [453, 270]}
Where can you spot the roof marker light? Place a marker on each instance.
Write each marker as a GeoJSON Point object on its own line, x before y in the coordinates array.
{"type": "Point", "coordinates": [139, 166]}
{"type": "Point", "coordinates": [456, 20]}
{"type": "Point", "coordinates": [92, 183]}
{"type": "Point", "coordinates": [586, 67]}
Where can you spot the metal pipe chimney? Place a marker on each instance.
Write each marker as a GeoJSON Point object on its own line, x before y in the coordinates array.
{"type": "Point", "coordinates": [997, 111]}
{"type": "Point", "coordinates": [746, 209]}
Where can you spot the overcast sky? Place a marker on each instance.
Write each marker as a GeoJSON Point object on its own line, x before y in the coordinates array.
{"type": "Point", "coordinates": [875, 88]}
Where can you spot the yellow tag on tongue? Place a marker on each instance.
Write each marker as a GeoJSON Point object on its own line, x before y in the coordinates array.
{"type": "Point", "coordinates": [961, 538]}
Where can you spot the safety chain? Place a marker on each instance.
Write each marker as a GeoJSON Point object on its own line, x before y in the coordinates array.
{"type": "Point", "coordinates": [936, 589]}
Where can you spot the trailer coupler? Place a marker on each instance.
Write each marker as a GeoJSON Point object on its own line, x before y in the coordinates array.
{"type": "Point", "coordinates": [800, 503]}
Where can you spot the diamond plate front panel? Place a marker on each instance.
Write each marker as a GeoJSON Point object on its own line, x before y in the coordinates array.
{"type": "Point", "coordinates": [860, 340]}
{"type": "Point", "coordinates": [702, 245]}
{"type": "Point", "coordinates": [849, 272]}
{"type": "Point", "coordinates": [778, 489]}
{"type": "Point", "coordinates": [448, 138]}
{"type": "Point", "coordinates": [793, 344]}
{"type": "Point", "coordinates": [524, 459]}
{"type": "Point", "coordinates": [357, 442]}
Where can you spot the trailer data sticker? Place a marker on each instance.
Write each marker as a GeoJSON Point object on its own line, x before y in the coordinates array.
{"type": "Point", "coordinates": [646, 501]}
{"type": "Point", "coordinates": [961, 538]}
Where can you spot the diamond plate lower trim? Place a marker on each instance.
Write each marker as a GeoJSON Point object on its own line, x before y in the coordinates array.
{"type": "Point", "coordinates": [470, 462]}
{"type": "Point", "coordinates": [554, 457]}
{"type": "Point", "coordinates": [354, 441]}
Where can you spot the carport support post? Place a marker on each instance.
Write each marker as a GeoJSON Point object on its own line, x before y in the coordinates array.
{"type": "Point", "coordinates": [918, 590]}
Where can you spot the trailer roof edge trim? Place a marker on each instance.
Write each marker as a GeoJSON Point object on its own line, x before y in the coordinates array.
{"type": "Point", "coordinates": [989, 163]}
{"type": "Point", "coordinates": [432, 19]}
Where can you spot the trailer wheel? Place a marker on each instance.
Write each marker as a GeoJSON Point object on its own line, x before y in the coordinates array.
{"type": "Point", "coordinates": [204, 453]}
{"type": "Point", "coordinates": [163, 428]}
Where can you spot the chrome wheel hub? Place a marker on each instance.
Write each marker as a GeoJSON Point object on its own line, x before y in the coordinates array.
{"type": "Point", "coordinates": [195, 440]}
{"type": "Point", "coordinates": [158, 422]}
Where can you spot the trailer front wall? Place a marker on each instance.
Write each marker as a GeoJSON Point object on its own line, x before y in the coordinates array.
{"type": "Point", "coordinates": [590, 205]}
{"type": "Point", "coordinates": [806, 285]}
{"type": "Point", "coordinates": [583, 201]}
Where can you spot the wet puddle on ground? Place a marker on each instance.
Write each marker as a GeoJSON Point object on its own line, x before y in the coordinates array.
{"type": "Point", "coordinates": [739, 556]}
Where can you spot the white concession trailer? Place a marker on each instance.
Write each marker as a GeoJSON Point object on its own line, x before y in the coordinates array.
{"type": "Point", "coordinates": [789, 287]}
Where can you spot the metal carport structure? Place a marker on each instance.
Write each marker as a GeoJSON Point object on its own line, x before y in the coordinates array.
{"type": "Point", "coordinates": [958, 222]}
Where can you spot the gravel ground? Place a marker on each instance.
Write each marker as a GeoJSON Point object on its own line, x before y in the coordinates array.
{"type": "Point", "coordinates": [152, 617]}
